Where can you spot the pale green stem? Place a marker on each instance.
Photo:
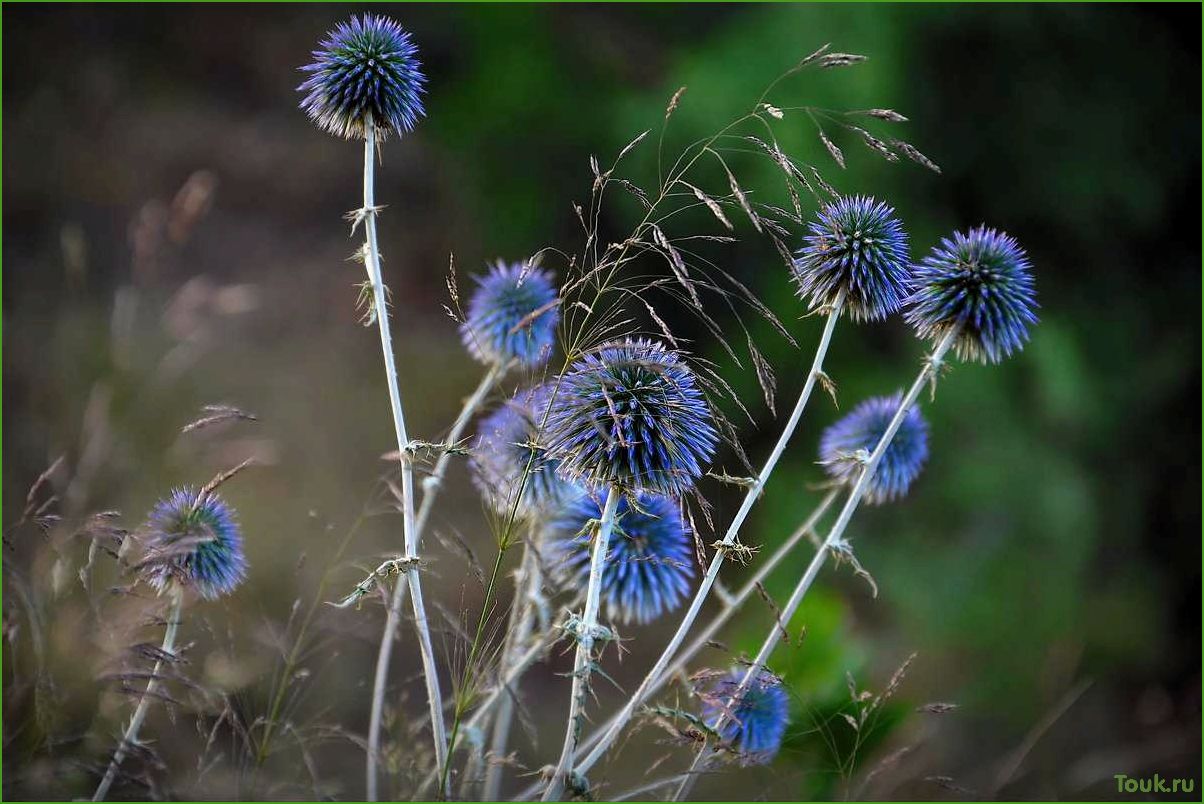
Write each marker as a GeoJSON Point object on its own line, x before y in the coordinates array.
{"type": "Point", "coordinates": [430, 490]}
{"type": "Point", "coordinates": [430, 670]}
{"type": "Point", "coordinates": [731, 604]}
{"type": "Point", "coordinates": [131, 733]}
{"type": "Point", "coordinates": [927, 375]}
{"type": "Point", "coordinates": [729, 540]}
{"type": "Point", "coordinates": [586, 632]}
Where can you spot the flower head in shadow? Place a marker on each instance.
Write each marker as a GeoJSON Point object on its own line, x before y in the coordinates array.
{"type": "Point", "coordinates": [649, 564]}
{"type": "Point", "coordinates": [754, 723]}
{"type": "Point", "coordinates": [847, 444]}
{"type": "Point", "coordinates": [508, 448]}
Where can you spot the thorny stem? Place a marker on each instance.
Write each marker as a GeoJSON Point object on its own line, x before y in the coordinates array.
{"type": "Point", "coordinates": [728, 541]}
{"type": "Point", "coordinates": [587, 631]}
{"type": "Point", "coordinates": [131, 733]}
{"type": "Point", "coordinates": [430, 490]}
{"type": "Point", "coordinates": [928, 375]}
{"type": "Point", "coordinates": [731, 605]}
{"type": "Point", "coordinates": [372, 264]}
{"type": "Point", "coordinates": [522, 616]}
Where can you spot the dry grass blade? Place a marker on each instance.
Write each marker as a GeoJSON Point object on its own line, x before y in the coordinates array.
{"type": "Point", "coordinates": [627, 148]}
{"type": "Point", "coordinates": [765, 375]}
{"type": "Point", "coordinates": [837, 154]}
{"type": "Point", "coordinates": [711, 204]}
{"type": "Point", "coordinates": [743, 201]}
{"type": "Point", "coordinates": [912, 153]}
{"type": "Point", "coordinates": [823, 185]}
{"type": "Point", "coordinates": [215, 414]}
{"type": "Point", "coordinates": [815, 55]}
{"type": "Point", "coordinates": [677, 264]}
{"type": "Point", "coordinates": [830, 60]}
{"type": "Point", "coordinates": [222, 477]}
{"type": "Point", "coordinates": [639, 194]}
{"type": "Point", "coordinates": [889, 115]}
{"type": "Point", "coordinates": [672, 107]}
{"type": "Point", "coordinates": [877, 145]}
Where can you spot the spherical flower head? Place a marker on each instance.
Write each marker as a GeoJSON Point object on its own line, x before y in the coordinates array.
{"type": "Point", "coordinates": [196, 543]}
{"type": "Point", "coordinates": [981, 281]}
{"type": "Point", "coordinates": [631, 415]}
{"type": "Point", "coordinates": [856, 245]}
{"type": "Point", "coordinates": [649, 563]}
{"type": "Point", "coordinates": [754, 723]}
{"type": "Point", "coordinates": [366, 69]}
{"type": "Point", "coordinates": [846, 445]}
{"type": "Point", "coordinates": [507, 445]}
{"type": "Point", "coordinates": [512, 316]}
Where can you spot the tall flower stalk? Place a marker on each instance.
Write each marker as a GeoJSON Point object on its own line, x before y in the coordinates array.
{"type": "Point", "coordinates": [192, 541]}
{"type": "Point", "coordinates": [973, 293]}
{"type": "Point", "coordinates": [730, 605]}
{"type": "Point", "coordinates": [629, 418]}
{"type": "Point", "coordinates": [365, 81]}
{"type": "Point", "coordinates": [430, 491]}
{"type": "Point", "coordinates": [855, 258]}
{"type": "Point", "coordinates": [430, 668]}
{"type": "Point", "coordinates": [834, 540]}
{"type": "Point", "coordinates": [586, 631]}
{"type": "Point", "coordinates": [130, 737]}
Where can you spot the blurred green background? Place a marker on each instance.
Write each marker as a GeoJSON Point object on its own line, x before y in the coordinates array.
{"type": "Point", "coordinates": [172, 238]}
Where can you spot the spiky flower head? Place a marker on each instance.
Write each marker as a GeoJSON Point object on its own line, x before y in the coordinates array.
{"type": "Point", "coordinates": [856, 244]}
{"type": "Point", "coordinates": [981, 281]}
{"type": "Point", "coordinates": [847, 444]}
{"type": "Point", "coordinates": [508, 444]}
{"type": "Point", "coordinates": [755, 722]}
{"type": "Point", "coordinates": [512, 315]}
{"type": "Point", "coordinates": [195, 542]}
{"type": "Point", "coordinates": [649, 561]}
{"type": "Point", "coordinates": [365, 69]}
{"type": "Point", "coordinates": [631, 414]}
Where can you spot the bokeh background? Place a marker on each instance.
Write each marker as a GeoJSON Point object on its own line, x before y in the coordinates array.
{"type": "Point", "coordinates": [172, 238]}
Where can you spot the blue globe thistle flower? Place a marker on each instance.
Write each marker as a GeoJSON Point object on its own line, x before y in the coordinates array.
{"type": "Point", "coordinates": [845, 445]}
{"type": "Point", "coordinates": [631, 414]}
{"type": "Point", "coordinates": [367, 66]}
{"type": "Point", "coordinates": [507, 442]}
{"type": "Point", "coordinates": [512, 316]}
{"type": "Point", "coordinates": [649, 564]}
{"type": "Point", "coordinates": [196, 543]}
{"type": "Point", "coordinates": [982, 281]}
{"type": "Point", "coordinates": [755, 723]}
{"type": "Point", "coordinates": [859, 246]}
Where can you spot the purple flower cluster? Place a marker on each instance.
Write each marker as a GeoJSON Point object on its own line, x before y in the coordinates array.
{"type": "Point", "coordinates": [512, 315]}
{"type": "Point", "coordinates": [857, 245]}
{"type": "Point", "coordinates": [649, 565]}
{"type": "Point", "coordinates": [844, 446]}
{"type": "Point", "coordinates": [366, 68]}
{"type": "Point", "coordinates": [631, 414]}
{"type": "Point", "coordinates": [196, 543]}
{"type": "Point", "coordinates": [980, 281]}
